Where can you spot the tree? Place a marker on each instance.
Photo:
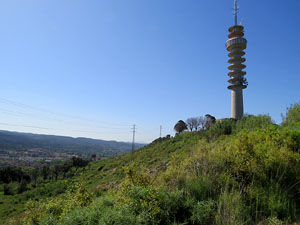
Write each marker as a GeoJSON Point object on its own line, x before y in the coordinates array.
{"type": "Point", "coordinates": [9, 174]}
{"type": "Point", "coordinates": [192, 123]}
{"type": "Point", "coordinates": [45, 170]}
{"type": "Point", "coordinates": [180, 126]}
{"type": "Point", "coordinates": [22, 186]}
{"type": "Point", "coordinates": [57, 170]}
{"type": "Point", "coordinates": [34, 175]}
{"type": "Point", "coordinates": [65, 168]}
{"type": "Point", "coordinates": [201, 122]}
{"type": "Point", "coordinates": [78, 162]}
{"type": "Point", "coordinates": [210, 120]}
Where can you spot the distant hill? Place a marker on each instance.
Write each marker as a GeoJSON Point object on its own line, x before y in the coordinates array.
{"type": "Point", "coordinates": [82, 146]}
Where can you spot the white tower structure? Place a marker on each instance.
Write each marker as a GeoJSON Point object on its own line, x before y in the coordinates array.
{"type": "Point", "coordinates": [236, 45]}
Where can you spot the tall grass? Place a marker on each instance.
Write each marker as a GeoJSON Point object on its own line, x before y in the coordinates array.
{"type": "Point", "coordinates": [236, 172]}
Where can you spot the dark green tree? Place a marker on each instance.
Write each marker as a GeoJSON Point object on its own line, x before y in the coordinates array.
{"type": "Point", "coordinates": [22, 186]}
{"type": "Point", "coordinates": [210, 120]}
{"type": "Point", "coordinates": [45, 172]}
{"type": "Point", "coordinates": [78, 162]}
{"type": "Point", "coordinates": [180, 126]}
{"type": "Point", "coordinates": [34, 174]}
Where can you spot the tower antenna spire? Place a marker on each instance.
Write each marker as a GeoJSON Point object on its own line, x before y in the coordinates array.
{"type": "Point", "coordinates": [236, 8]}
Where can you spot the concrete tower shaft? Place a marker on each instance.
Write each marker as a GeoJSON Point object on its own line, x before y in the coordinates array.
{"type": "Point", "coordinates": [236, 44]}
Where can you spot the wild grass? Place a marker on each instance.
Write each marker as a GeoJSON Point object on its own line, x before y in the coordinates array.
{"type": "Point", "coordinates": [235, 172]}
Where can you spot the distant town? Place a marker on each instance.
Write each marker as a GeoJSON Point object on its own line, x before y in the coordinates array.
{"type": "Point", "coordinates": [34, 157]}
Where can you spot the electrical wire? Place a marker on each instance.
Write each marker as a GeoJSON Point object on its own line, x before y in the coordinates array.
{"type": "Point", "coordinates": [17, 114]}
{"type": "Point", "coordinates": [22, 105]}
{"type": "Point", "coordinates": [111, 128]}
{"type": "Point", "coordinates": [28, 126]}
{"type": "Point", "coordinates": [47, 128]}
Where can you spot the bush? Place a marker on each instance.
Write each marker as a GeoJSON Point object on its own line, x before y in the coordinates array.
{"type": "Point", "coordinates": [219, 128]}
{"type": "Point", "coordinates": [292, 115]}
{"type": "Point", "coordinates": [203, 212]}
{"type": "Point", "coordinates": [231, 209]}
{"type": "Point", "coordinates": [232, 126]}
{"type": "Point", "coordinates": [273, 201]}
{"type": "Point", "coordinates": [251, 123]}
{"type": "Point", "coordinates": [103, 211]}
{"type": "Point", "coordinates": [199, 189]}
{"type": "Point", "coordinates": [56, 208]}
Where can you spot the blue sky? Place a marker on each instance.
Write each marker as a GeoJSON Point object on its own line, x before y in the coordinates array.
{"type": "Point", "coordinates": [93, 68]}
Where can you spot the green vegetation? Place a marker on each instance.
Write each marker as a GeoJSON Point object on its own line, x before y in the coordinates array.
{"type": "Point", "coordinates": [232, 172]}
{"type": "Point", "coordinates": [21, 184]}
{"type": "Point", "coordinates": [292, 115]}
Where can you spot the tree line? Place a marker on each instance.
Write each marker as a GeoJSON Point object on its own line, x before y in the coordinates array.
{"type": "Point", "coordinates": [23, 177]}
{"type": "Point", "coordinates": [195, 123]}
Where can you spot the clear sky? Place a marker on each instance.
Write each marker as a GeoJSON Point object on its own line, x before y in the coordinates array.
{"type": "Point", "coordinates": [93, 68]}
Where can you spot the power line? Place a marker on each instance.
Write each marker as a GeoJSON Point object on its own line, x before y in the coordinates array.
{"type": "Point", "coordinates": [101, 132]}
{"type": "Point", "coordinates": [117, 128]}
{"type": "Point", "coordinates": [47, 128]}
{"type": "Point", "coordinates": [17, 114]}
{"type": "Point", "coordinates": [21, 105]}
{"type": "Point", "coordinates": [28, 126]}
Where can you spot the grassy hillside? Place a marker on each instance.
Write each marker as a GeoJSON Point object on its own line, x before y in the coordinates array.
{"type": "Point", "coordinates": [98, 176]}
{"type": "Point", "coordinates": [245, 172]}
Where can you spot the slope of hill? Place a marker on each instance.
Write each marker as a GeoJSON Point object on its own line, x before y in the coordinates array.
{"type": "Point", "coordinates": [82, 146]}
{"type": "Point", "coordinates": [99, 177]}
{"type": "Point", "coordinates": [244, 172]}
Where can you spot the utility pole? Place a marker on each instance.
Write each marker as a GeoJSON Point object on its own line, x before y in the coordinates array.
{"type": "Point", "coordinates": [160, 131]}
{"type": "Point", "coordinates": [133, 137]}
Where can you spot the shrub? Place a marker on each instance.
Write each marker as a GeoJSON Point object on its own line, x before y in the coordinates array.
{"type": "Point", "coordinates": [56, 208]}
{"type": "Point", "coordinates": [273, 221]}
{"type": "Point", "coordinates": [121, 215]}
{"type": "Point", "coordinates": [292, 115]}
{"type": "Point", "coordinates": [223, 127]}
{"type": "Point", "coordinates": [231, 209]}
{"type": "Point", "coordinates": [199, 189]}
{"type": "Point", "coordinates": [271, 201]}
{"type": "Point", "coordinates": [103, 211]}
{"type": "Point", "coordinates": [145, 201]}
{"type": "Point", "coordinates": [154, 205]}
{"type": "Point", "coordinates": [251, 123]}
{"type": "Point", "coordinates": [203, 212]}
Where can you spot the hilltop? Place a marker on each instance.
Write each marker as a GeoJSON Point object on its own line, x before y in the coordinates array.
{"type": "Point", "coordinates": [232, 172]}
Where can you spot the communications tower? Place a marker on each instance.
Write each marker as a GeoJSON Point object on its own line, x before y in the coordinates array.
{"type": "Point", "coordinates": [236, 44]}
